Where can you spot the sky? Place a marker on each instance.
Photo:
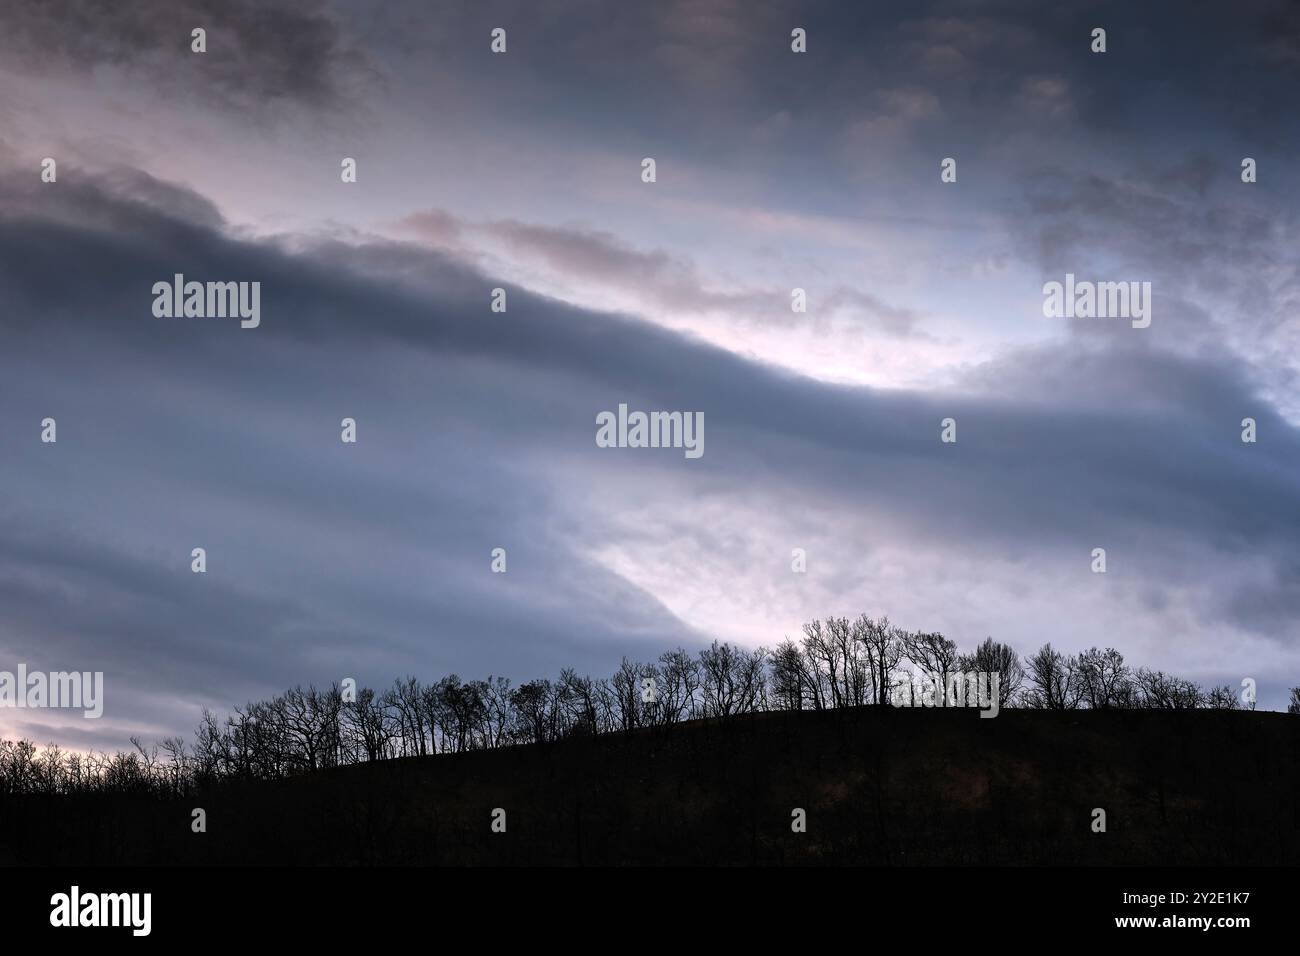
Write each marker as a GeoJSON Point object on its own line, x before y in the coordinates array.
{"type": "Point", "coordinates": [522, 170]}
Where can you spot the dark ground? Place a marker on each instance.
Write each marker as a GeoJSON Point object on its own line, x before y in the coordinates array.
{"type": "Point", "coordinates": [880, 786]}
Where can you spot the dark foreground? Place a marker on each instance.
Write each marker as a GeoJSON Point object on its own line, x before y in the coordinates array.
{"type": "Point", "coordinates": [879, 787]}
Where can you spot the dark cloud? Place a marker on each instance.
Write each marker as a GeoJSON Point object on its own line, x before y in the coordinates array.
{"type": "Point", "coordinates": [477, 429]}
{"type": "Point", "coordinates": [476, 432]}
{"type": "Point", "coordinates": [259, 55]}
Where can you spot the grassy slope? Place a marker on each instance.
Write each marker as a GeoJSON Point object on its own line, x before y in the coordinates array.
{"type": "Point", "coordinates": [879, 787]}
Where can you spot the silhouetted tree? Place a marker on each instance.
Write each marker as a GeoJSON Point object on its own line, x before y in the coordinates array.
{"type": "Point", "coordinates": [625, 689]}
{"type": "Point", "coordinates": [679, 685]}
{"type": "Point", "coordinates": [937, 658]}
{"type": "Point", "coordinates": [580, 697]}
{"type": "Point", "coordinates": [534, 707]}
{"type": "Point", "coordinates": [791, 685]}
{"type": "Point", "coordinates": [1222, 697]}
{"type": "Point", "coordinates": [992, 657]}
{"type": "Point", "coordinates": [837, 663]}
{"type": "Point", "coordinates": [884, 647]}
{"type": "Point", "coordinates": [822, 665]}
{"type": "Point", "coordinates": [731, 679]}
{"type": "Point", "coordinates": [1160, 691]}
{"type": "Point", "coordinates": [369, 724]}
{"type": "Point", "coordinates": [1105, 678]}
{"type": "Point", "coordinates": [1054, 680]}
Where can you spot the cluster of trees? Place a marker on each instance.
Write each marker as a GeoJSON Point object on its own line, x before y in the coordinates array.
{"type": "Point", "coordinates": [836, 663]}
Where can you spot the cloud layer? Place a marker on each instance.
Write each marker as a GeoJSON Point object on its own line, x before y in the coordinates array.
{"type": "Point", "coordinates": [476, 429]}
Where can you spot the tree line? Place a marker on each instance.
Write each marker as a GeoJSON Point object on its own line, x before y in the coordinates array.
{"type": "Point", "coordinates": [836, 663]}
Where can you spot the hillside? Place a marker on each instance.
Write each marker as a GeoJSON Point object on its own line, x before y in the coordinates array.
{"type": "Point", "coordinates": [879, 786]}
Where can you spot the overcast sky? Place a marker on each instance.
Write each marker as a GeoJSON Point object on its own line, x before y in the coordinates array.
{"type": "Point", "coordinates": [522, 170]}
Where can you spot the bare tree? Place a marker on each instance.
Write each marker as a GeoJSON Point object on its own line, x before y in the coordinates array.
{"type": "Point", "coordinates": [992, 657]}
{"type": "Point", "coordinates": [535, 711]}
{"type": "Point", "coordinates": [936, 656]}
{"type": "Point", "coordinates": [370, 725]}
{"type": "Point", "coordinates": [306, 722]}
{"type": "Point", "coordinates": [732, 679]}
{"type": "Point", "coordinates": [1105, 678]}
{"type": "Point", "coordinates": [1156, 690]}
{"type": "Point", "coordinates": [461, 709]}
{"type": "Point", "coordinates": [884, 647]}
{"type": "Point", "coordinates": [792, 686]}
{"type": "Point", "coordinates": [179, 765]}
{"type": "Point", "coordinates": [823, 664]}
{"type": "Point", "coordinates": [854, 668]}
{"type": "Point", "coordinates": [580, 698]}
{"type": "Point", "coordinates": [679, 685]}
{"type": "Point", "coordinates": [625, 688]}
{"type": "Point", "coordinates": [1222, 698]}
{"type": "Point", "coordinates": [498, 714]}
{"type": "Point", "coordinates": [406, 699]}
{"type": "Point", "coordinates": [835, 664]}
{"type": "Point", "coordinates": [1055, 681]}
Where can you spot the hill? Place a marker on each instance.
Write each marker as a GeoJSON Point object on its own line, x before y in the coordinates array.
{"type": "Point", "coordinates": [878, 786]}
